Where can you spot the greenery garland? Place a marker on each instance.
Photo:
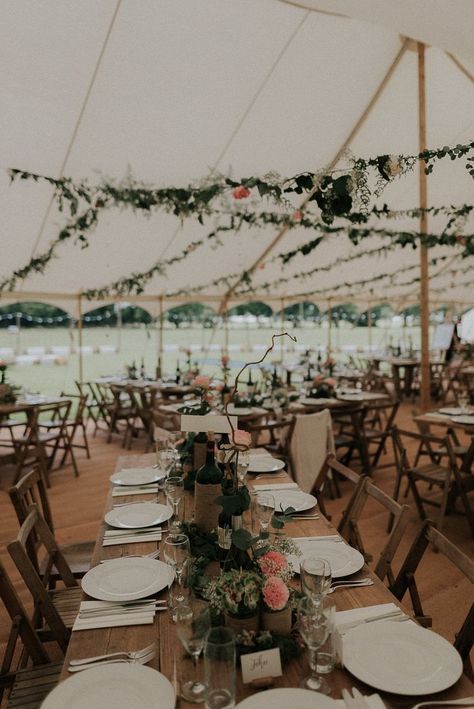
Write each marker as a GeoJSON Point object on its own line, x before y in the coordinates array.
{"type": "Point", "coordinates": [335, 194]}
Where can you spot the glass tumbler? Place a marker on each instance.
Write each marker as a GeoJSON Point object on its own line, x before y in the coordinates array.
{"type": "Point", "coordinates": [219, 668]}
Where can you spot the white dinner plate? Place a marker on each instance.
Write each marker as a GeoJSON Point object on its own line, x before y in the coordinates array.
{"type": "Point", "coordinates": [297, 499]}
{"type": "Point", "coordinates": [238, 411]}
{"type": "Point", "coordinates": [466, 418]}
{"type": "Point", "coordinates": [126, 579]}
{"type": "Point", "coordinates": [313, 401]}
{"type": "Point", "coordinates": [287, 697]}
{"type": "Point", "coordinates": [351, 397]}
{"type": "Point", "coordinates": [401, 658]}
{"type": "Point", "coordinates": [451, 411]}
{"type": "Point", "coordinates": [137, 476]}
{"type": "Point", "coordinates": [115, 686]}
{"type": "Point", "coordinates": [135, 515]}
{"type": "Point", "coordinates": [265, 464]}
{"type": "Point", "coordinates": [343, 559]}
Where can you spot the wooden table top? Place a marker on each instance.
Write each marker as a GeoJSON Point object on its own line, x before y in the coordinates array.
{"type": "Point", "coordinates": [19, 406]}
{"type": "Point", "coordinates": [170, 654]}
{"type": "Point", "coordinates": [433, 418]}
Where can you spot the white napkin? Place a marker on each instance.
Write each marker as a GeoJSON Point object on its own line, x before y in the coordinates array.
{"type": "Point", "coordinates": [345, 620]}
{"type": "Point", "coordinates": [373, 700]}
{"type": "Point", "coordinates": [122, 490]}
{"type": "Point", "coordinates": [118, 536]}
{"type": "Point", "coordinates": [111, 620]}
{"type": "Point", "coordinates": [277, 486]}
{"type": "Point", "coordinates": [327, 538]}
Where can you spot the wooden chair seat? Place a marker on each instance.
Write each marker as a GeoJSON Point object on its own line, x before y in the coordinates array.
{"type": "Point", "coordinates": [78, 556]}
{"type": "Point", "coordinates": [67, 602]}
{"type": "Point", "coordinates": [431, 473]}
{"type": "Point", "coordinates": [31, 686]}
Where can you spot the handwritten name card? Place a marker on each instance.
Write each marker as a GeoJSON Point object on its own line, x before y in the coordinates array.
{"type": "Point", "coordinates": [258, 665]}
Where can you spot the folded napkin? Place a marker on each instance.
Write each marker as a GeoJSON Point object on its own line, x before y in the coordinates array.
{"type": "Point", "coordinates": [276, 486]}
{"type": "Point", "coordinates": [345, 620]}
{"type": "Point", "coordinates": [130, 490]}
{"type": "Point", "coordinates": [110, 620]}
{"type": "Point", "coordinates": [127, 536]}
{"type": "Point", "coordinates": [327, 538]}
{"type": "Point", "coordinates": [373, 700]}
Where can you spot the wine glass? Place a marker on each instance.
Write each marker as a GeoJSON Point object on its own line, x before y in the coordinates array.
{"type": "Point", "coordinates": [176, 553]}
{"type": "Point", "coordinates": [315, 576]}
{"type": "Point", "coordinates": [463, 401]}
{"type": "Point", "coordinates": [313, 625]}
{"type": "Point", "coordinates": [264, 507]}
{"type": "Point", "coordinates": [243, 462]}
{"type": "Point", "coordinates": [174, 491]}
{"type": "Point", "coordinates": [193, 621]}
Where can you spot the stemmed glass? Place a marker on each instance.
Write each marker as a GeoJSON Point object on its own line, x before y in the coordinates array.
{"type": "Point", "coordinates": [463, 401]}
{"type": "Point", "coordinates": [193, 621]}
{"type": "Point", "coordinates": [176, 552]}
{"type": "Point", "coordinates": [313, 625]}
{"type": "Point", "coordinates": [243, 462]}
{"type": "Point", "coordinates": [316, 577]}
{"type": "Point", "coordinates": [264, 507]}
{"type": "Point", "coordinates": [174, 491]}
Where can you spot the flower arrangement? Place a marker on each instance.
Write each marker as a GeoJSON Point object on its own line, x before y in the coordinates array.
{"type": "Point", "coordinates": [238, 592]}
{"type": "Point", "coordinates": [322, 387]}
{"type": "Point", "coordinates": [202, 387]}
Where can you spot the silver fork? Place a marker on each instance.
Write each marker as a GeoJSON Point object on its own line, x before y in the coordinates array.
{"type": "Point", "coordinates": [272, 475]}
{"type": "Point", "coordinates": [126, 655]}
{"type": "Point", "coordinates": [354, 584]}
{"type": "Point", "coordinates": [154, 555]}
{"type": "Point", "coordinates": [137, 661]}
{"type": "Point", "coordinates": [466, 702]}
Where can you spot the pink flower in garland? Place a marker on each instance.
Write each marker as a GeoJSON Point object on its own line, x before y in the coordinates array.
{"type": "Point", "coordinates": [297, 216]}
{"type": "Point", "coordinates": [275, 593]}
{"type": "Point", "coordinates": [242, 439]}
{"type": "Point", "coordinates": [201, 381]}
{"type": "Point", "coordinates": [273, 563]}
{"type": "Point", "coordinates": [240, 192]}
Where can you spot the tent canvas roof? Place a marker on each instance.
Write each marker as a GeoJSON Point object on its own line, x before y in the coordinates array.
{"type": "Point", "coordinates": [170, 89]}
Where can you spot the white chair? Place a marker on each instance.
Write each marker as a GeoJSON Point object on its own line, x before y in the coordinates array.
{"type": "Point", "coordinates": [311, 442]}
{"type": "Point", "coordinates": [107, 349]}
{"type": "Point", "coordinates": [61, 350]}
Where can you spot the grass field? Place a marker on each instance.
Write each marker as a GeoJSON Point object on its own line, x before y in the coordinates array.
{"type": "Point", "coordinates": [135, 343]}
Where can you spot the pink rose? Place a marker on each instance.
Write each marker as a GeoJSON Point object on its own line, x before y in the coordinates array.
{"type": "Point", "coordinates": [242, 439]}
{"type": "Point", "coordinates": [201, 381]}
{"type": "Point", "coordinates": [3, 364]}
{"type": "Point", "coordinates": [272, 563]}
{"type": "Point", "coordinates": [275, 593]}
{"type": "Point", "coordinates": [240, 192]}
{"type": "Point", "coordinates": [297, 216]}
{"type": "Point", "coordinates": [331, 382]}
{"type": "Point", "coordinates": [225, 360]}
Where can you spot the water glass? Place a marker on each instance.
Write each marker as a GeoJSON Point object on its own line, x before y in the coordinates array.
{"type": "Point", "coordinates": [243, 462]}
{"type": "Point", "coordinates": [313, 628]}
{"type": "Point", "coordinates": [219, 668]}
{"type": "Point", "coordinates": [326, 654]}
{"type": "Point", "coordinates": [463, 401]}
{"type": "Point", "coordinates": [264, 508]}
{"type": "Point", "coordinates": [315, 577]}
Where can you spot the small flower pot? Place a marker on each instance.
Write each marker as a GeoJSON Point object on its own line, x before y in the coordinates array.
{"type": "Point", "coordinates": [240, 623]}
{"type": "Point", "coordinates": [277, 621]}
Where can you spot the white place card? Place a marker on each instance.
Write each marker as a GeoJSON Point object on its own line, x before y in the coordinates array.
{"type": "Point", "coordinates": [258, 665]}
{"type": "Point", "coordinates": [209, 422]}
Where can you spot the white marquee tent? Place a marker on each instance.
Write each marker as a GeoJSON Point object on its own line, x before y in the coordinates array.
{"type": "Point", "coordinates": [172, 89]}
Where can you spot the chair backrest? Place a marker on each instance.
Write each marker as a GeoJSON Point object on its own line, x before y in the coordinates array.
{"type": "Point", "coordinates": [405, 581]}
{"type": "Point", "coordinates": [81, 405]}
{"type": "Point", "coordinates": [35, 525]}
{"type": "Point", "coordinates": [425, 440]}
{"type": "Point", "coordinates": [31, 490]}
{"type": "Point", "coordinates": [311, 442]}
{"type": "Point", "coordinates": [279, 433]}
{"type": "Point", "coordinates": [21, 630]}
{"type": "Point", "coordinates": [349, 526]}
{"type": "Point", "coordinates": [331, 468]}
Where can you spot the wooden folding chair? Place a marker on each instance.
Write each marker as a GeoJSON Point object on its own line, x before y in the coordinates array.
{"type": "Point", "coordinates": [405, 581]}
{"type": "Point", "coordinates": [332, 469]}
{"type": "Point", "coordinates": [71, 424]}
{"type": "Point", "coordinates": [122, 409]}
{"type": "Point", "coordinates": [447, 477]}
{"type": "Point", "coordinates": [26, 672]}
{"type": "Point", "coordinates": [377, 428]}
{"type": "Point", "coordinates": [55, 610]}
{"type": "Point", "coordinates": [349, 525]}
{"type": "Point", "coordinates": [31, 490]}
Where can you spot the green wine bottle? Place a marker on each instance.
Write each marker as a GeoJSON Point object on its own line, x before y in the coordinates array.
{"type": "Point", "coordinates": [209, 473]}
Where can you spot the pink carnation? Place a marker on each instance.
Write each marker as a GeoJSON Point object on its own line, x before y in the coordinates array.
{"type": "Point", "coordinates": [201, 381]}
{"type": "Point", "coordinates": [240, 192]}
{"type": "Point", "coordinates": [272, 563]}
{"type": "Point", "coordinates": [297, 216]}
{"type": "Point", "coordinates": [242, 439]}
{"type": "Point", "coordinates": [275, 593]}
{"type": "Point", "coordinates": [331, 382]}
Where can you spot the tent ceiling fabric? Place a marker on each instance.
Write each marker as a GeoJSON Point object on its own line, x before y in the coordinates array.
{"type": "Point", "coordinates": [281, 86]}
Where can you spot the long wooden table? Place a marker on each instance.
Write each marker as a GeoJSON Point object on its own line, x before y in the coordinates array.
{"type": "Point", "coordinates": [170, 656]}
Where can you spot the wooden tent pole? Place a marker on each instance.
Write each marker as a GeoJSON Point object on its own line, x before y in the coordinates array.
{"type": "Point", "coordinates": [424, 270]}
{"type": "Point", "coordinates": [226, 327]}
{"type": "Point", "coordinates": [79, 332]}
{"type": "Point", "coordinates": [329, 327]}
{"type": "Point", "coordinates": [282, 341]}
{"type": "Point", "coordinates": [160, 337]}
{"type": "Point", "coordinates": [118, 310]}
{"type": "Point", "coordinates": [369, 325]}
